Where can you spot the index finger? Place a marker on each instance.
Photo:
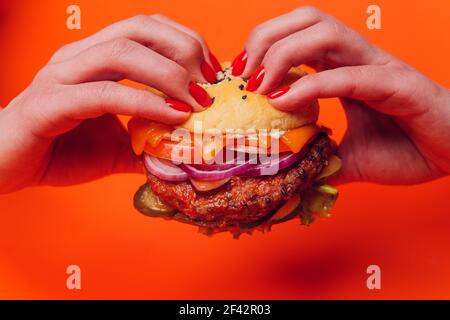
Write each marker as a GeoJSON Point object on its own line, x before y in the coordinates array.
{"type": "Point", "coordinates": [263, 36]}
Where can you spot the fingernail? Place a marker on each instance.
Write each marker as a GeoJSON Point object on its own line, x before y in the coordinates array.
{"type": "Point", "coordinates": [255, 80]}
{"type": "Point", "coordinates": [199, 94]}
{"type": "Point", "coordinates": [178, 105]}
{"type": "Point", "coordinates": [208, 72]}
{"type": "Point", "coordinates": [239, 64]}
{"type": "Point", "coordinates": [215, 63]}
{"type": "Point", "coordinates": [278, 92]}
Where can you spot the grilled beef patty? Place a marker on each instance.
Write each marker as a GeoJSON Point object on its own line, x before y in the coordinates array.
{"type": "Point", "coordinates": [245, 199]}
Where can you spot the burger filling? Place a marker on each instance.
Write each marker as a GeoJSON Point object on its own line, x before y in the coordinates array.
{"type": "Point", "coordinates": [239, 180]}
{"type": "Point", "coordinates": [237, 197]}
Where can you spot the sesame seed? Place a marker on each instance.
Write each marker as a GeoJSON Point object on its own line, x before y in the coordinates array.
{"type": "Point", "coordinates": [244, 97]}
{"type": "Point", "coordinates": [241, 86]}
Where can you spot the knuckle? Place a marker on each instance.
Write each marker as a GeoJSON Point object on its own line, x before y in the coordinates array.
{"type": "Point", "coordinates": [192, 50]}
{"type": "Point", "coordinates": [180, 73]}
{"type": "Point", "coordinates": [405, 78]}
{"type": "Point", "coordinates": [279, 50]}
{"type": "Point", "coordinates": [44, 92]}
{"type": "Point", "coordinates": [352, 77]}
{"type": "Point", "coordinates": [400, 69]}
{"type": "Point", "coordinates": [48, 74]}
{"type": "Point", "coordinates": [331, 33]}
{"type": "Point", "coordinates": [158, 16]}
{"type": "Point", "coordinates": [104, 90]}
{"type": "Point", "coordinates": [140, 18]}
{"type": "Point", "coordinates": [146, 22]}
{"type": "Point", "coordinates": [348, 74]}
{"type": "Point", "coordinates": [61, 52]}
{"type": "Point", "coordinates": [44, 73]}
{"type": "Point", "coordinates": [335, 28]}
{"type": "Point", "coordinates": [137, 98]}
{"type": "Point", "coordinates": [120, 47]}
{"type": "Point", "coordinates": [257, 36]}
{"type": "Point", "coordinates": [309, 11]}
{"type": "Point", "coordinates": [197, 36]}
{"type": "Point", "coordinates": [172, 72]}
{"type": "Point", "coordinates": [356, 73]}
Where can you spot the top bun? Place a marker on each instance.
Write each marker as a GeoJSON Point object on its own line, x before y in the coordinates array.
{"type": "Point", "coordinates": [237, 109]}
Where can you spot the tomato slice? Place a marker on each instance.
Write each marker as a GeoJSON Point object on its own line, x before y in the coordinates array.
{"type": "Point", "coordinates": [157, 132]}
{"type": "Point", "coordinates": [166, 150]}
{"type": "Point", "coordinates": [282, 147]}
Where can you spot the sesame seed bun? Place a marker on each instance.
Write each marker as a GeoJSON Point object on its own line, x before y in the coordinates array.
{"type": "Point", "coordinates": [237, 109]}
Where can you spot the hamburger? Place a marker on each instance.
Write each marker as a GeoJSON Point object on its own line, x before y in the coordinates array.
{"type": "Point", "coordinates": [239, 165]}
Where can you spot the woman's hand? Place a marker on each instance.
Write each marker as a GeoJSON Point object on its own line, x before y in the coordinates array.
{"type": "Point", "coordinates": [398, 119]}
{"type": "Point", "coordinates": [63, 130]}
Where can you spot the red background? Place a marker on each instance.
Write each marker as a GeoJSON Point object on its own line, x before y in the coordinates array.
{"type": "Point", "coordinates": [122, 254]}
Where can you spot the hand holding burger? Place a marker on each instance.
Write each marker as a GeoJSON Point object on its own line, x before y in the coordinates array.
{"type": "Point", "coordinates": [398, 119]}
{"type": "Point", "coordinates": [62, 129]}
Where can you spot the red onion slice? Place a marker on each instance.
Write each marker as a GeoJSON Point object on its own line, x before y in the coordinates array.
{"type": "Point", "coordinates": [213, 167]}
{"type": "Point", "coordinates": [221, 162]}
{"type": "Point", "coordinates": [215, 174]}
{"type": "Point", "coordinates": [282, 162]}
{"type": "Point", "coordinates": [164, 169]}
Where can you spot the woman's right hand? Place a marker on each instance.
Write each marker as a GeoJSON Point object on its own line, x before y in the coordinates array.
{"type": "Point", "coordinates": [63, 130]}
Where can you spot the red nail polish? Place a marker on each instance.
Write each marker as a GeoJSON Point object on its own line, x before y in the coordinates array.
{"type": "Point", "coordinates": [239, 64]}
{"type": "Point", "coordinates": [255, 80]}
{"type": "Point", "coordinates": [215, 63]}
{"type": "Point", "coordinates": [178, 105]}
{"type": "Point", "coordinates": [199, 94]}
{"type": "Point", "coordinates": [208, 72]}
{"type": "Point", "coordinates": [278, 92]}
